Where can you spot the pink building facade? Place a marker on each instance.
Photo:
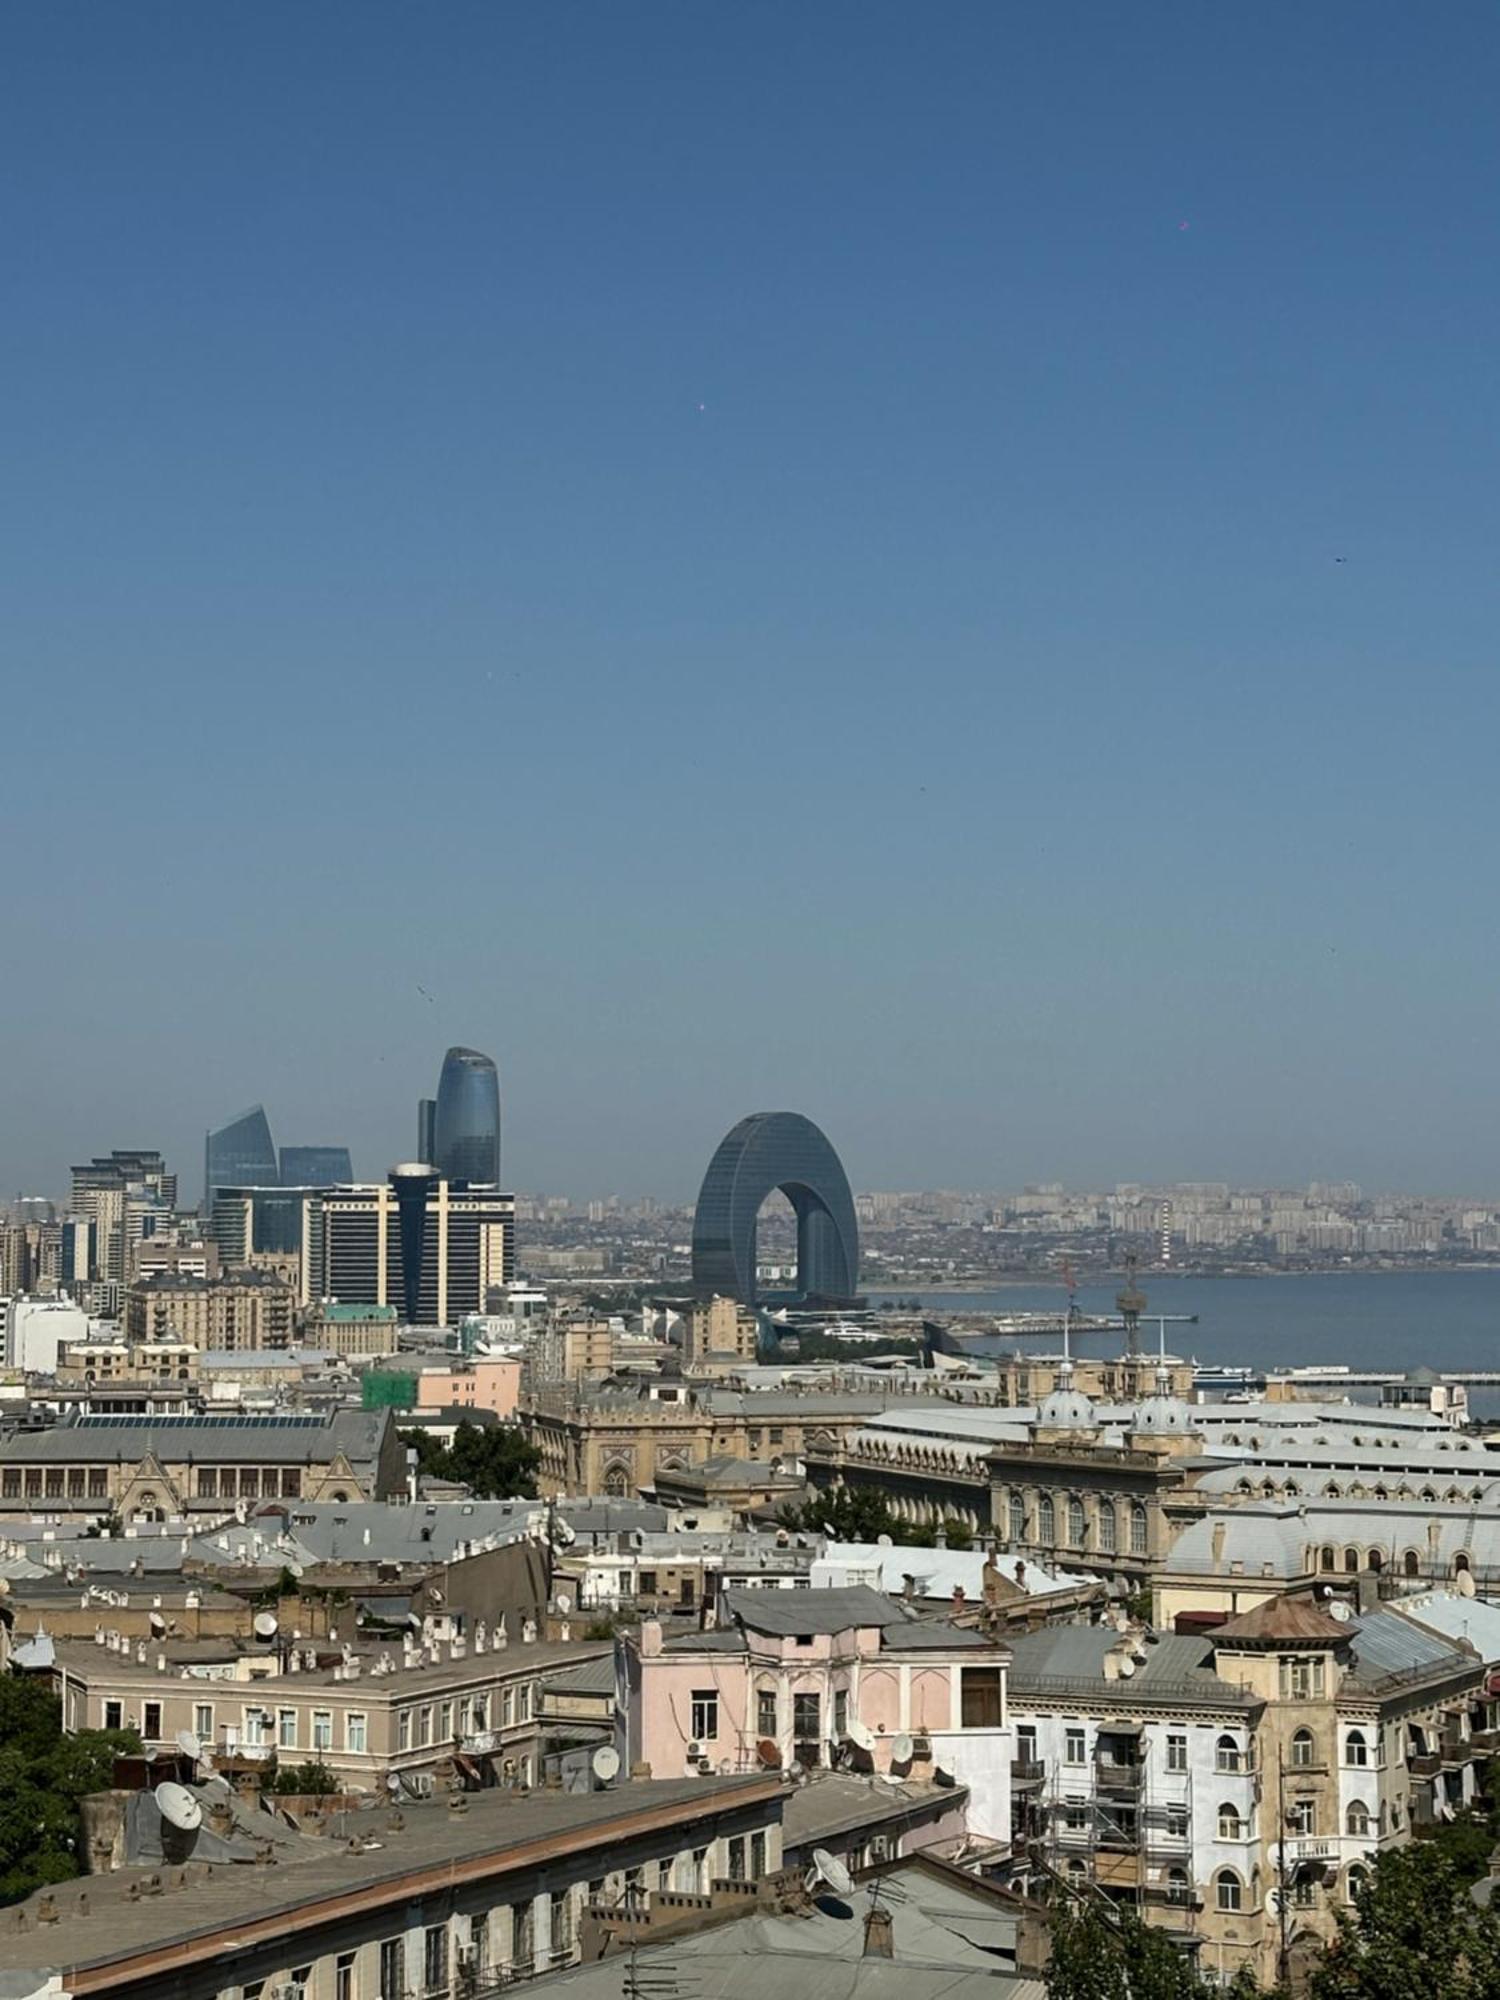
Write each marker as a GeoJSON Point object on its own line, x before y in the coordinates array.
{"type": "Point", "coordinates": [474, 1385]}
{"type": "Point", "coordinates": [818, 1678]}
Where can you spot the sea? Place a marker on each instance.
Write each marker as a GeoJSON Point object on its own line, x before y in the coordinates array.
{"type": "Point", "coordinates": [1364, 1319]}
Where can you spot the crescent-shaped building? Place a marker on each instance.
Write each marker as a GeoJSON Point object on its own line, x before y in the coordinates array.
{"type": "Point", "coordinates": [769, 1150]}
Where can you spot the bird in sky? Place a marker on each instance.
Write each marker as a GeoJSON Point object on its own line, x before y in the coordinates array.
{"type": "Point", "coordinates": [425, 994]}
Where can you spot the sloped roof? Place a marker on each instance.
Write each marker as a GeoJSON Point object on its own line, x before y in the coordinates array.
{"type": "Point", "coordinates": [789, 1612]}
{"type": "Point", "coordinates": [1287, 1619]}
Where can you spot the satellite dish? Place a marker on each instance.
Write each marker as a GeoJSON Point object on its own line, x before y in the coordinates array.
{"type": "Point", "coordinates": [903, 1749]}
{"type": "Point", "coordinates": [264, 1625]}
{"type": "Point", "coordinates": [393, 1781]}
{"type": "Point", "coordinates": [1465, 1583]}
{"type": "Point", "coordinates": [178, 1807]}
{"type": "Point", "coordinates": [884, 1542]}
{"type": "Point", "coordinates": [158, 1624]}
{"type": "Point", "coordinates": [564, 1603]}
{"type": "Point", "coordinates": [828, 1868]}
{"type": "Point", "coordinates": [1127, 1667]}
{"type": "Point", "coordinates": [189, 1745]}
{"type": "Point", "coordinates": [605, 1763]}
{"type": "Point", "coordinates": [1341, 1612]}
{"type": "Point", "coordinates": [769, 1753]}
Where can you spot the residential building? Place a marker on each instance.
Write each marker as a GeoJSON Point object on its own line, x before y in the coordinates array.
{"type": "Point", "coordinates": [37, 1330]}
{"type": "Point", "coordinates": [809, 1677]}
{"type": "Point", "coordinates": [355, 1331]}
{"type": "Point", "coordinates": [415, 1381]}
{"type": "Point", "coordinates": [251, 1309]}
{"type": "Point", "coordinates": [719, 1326]}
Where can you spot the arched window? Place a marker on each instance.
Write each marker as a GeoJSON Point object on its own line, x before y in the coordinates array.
{"type": "Point", "coordinates": [1077, 1871]}
{"type": "Point", "coordinates": [1357, 1819]}
{"type": "Point", "coordinates": [617, 1482]}
{"type": "Point", "coordinates": [1356, 1491]}
{"type": "Point", "coordinates": [1229, 1892]}
{"type": "Point", "coordinates": [1075, 1522]}
{"type": "Point", "coordinates": [1046, 1521]}
{"type": "Point", "coordinates": [1268, 1489]}
{"type": "Point", "coordinates": [1411, 1562]}
{"type": "Point", "coordinates": [1244, 1489]}
{"type": "Point", "coordinates": [1137, 1528]}
{"type": "Point", "coordinates": [1452, 1493]}
{"type": "Point", "coordinates": [1302, 1749]}
{"type": "Point", "coordinates": [1231, 1826]}
{"type": "Point", "coordinates": [1291, 1490]}
{"type": "Point", "coordinates": [1356, 1881]}
{"type": "Point", "coordinates": [1179, 1889]}
{"type": "Point", "coordinates": [1356, 1749]}
{"type": "Point", "coordinates": [1017, 1518]}
{"type": "Point", "coordinates": [1428, 1495]}
{"type": "Point", "coordinates": [1381, 1494]}
{"type": "Point", "coordinates": [1326, 1558]}
{"type": "Point", "coordinates": [1375, 1560]}
{"type": "Point", "coordinates": [1107, 1527]}
{"type": "Point", "coordinates": [1227, 1754]}
{"type": "Point", "coordinates": [1351, 1560]}
{"type": "Point", "coordinates": [1331, 1490]}
{"type": "Point", "coordinates": [1460, 1563]}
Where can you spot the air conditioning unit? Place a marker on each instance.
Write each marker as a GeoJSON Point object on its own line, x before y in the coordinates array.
{"type": "Point", "coordinates": [420, 1784]}
{"type": "Point", "coordinates": [694, 1752]}
{"type": "Point", "coordinates": [705, 1767]}
{"type": "Point", "coordinates": [468, 1954]}
{"type": "Point", "coordinates": [288, 1989]}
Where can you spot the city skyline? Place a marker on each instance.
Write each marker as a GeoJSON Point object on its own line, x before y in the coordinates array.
{"type": "Point", "coordinates": [954, 557]}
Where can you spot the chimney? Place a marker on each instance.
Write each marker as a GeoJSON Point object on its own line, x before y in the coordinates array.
{"type": "Point", "coordinates": [958, 1599]}
{"type": "Point", "coordinates": [879, 1941]}
{"type": "Point", "coordinates": [1218, 1541]}
{"type": "Point", "coordinates": [650, 1638]}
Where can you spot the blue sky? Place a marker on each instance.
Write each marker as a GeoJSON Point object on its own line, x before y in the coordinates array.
{"type": "Point", "coordinates": [766, 556]}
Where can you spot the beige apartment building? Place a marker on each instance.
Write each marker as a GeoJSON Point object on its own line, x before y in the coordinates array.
{"type": "Point", "coordinates": [248, 1309]}
{"type": "Point", "coordinates": [353, 1331]}
{"type": "Point", "coordinates": [717, 1327]}
{"type": "Point", "coordinates": [469, 1708]}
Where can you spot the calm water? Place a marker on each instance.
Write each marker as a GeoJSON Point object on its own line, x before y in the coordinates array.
{"type": "Point", "coordinates": [1367, 1319]}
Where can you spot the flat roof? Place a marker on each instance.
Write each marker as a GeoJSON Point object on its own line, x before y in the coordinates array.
{"type": "Point", "coordinates": [500, 1831]}
{"type": "Point", "coordinates": [88, 1662]}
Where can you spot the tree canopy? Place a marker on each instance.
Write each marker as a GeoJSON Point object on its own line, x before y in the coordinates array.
{"type": "Point", "coordinates": [1415, 1930]}
{"type": "Point", "coordinates": [860, 1514]}
{"type": "Point", "coordinates": [43, 1775]}
{"type": "Point", "coordinates": [495, 1463]}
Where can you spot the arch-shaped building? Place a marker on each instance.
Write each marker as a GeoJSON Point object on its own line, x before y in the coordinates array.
{"type": "Point", "coordinates": [768, 1150]}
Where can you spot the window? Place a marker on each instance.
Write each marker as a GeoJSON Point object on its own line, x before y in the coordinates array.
{"type": "Point", "coordinates": [1075, 1521]}
{"type": "Point", "coordinates": [445, 1722]}
{"type": "Point", "coordinates": [507, 1707]}
{"type": "Point", "coordinates": [403, 1729]}
{"type": "Point", "coordinates": [737, 1858]}
{"type": "Point", "coordinates": [286, 1728]}
{"type": "Point", "coordinates": [1017, 1518]}
{"type": "Point", "coordinates": [255, 1728]}
{"type": "Point", "coordinates": [1046, 1521]}
{"type": "Point", "coordinates": [203, 1721]}
{"type": "Point", "coordinates": [322, 1729]}
{"type": "Point", "coordinates": [705, 1714]}
{"type": "Point", "coordinates": [807, 1723]}
{"type": "Point", "coordinates": [523, 1702]}
{"type": "Point", "coordinates": [1357, 1819]}
{"type": "Point", "coordinates": [1107, 1527]}
{"type": "Point", "coordinates": [343, 1976]}
{"type": "Point", "coordinates": [424, 1723]}
{"type": "Point", "coordinates": [765, 1711]}
{"type": "Point", "coordinates": [1177, 1821]}
{"type": "Point", "coordinates": [757, 1856]}
{"type": "Point", "coordinates": [1301, 1678]}
{"type": "Point", "coordinates": [1356, 1749]}
{"type": "Point", "coordinates": [356, 1733]}
{"type": "Point", "coordinates": [699, 1883]}
{"type": "Point", "coordinates": [114, 1715]}
{"type": "Point", "coordinates": [393, 1969]}
{"type": "Point", "coordinates": [1229, 1892]}
{"type": "Point", "coordinates": [98, 1482]}
{"type": "Point", "coordinates": [302, 1977]}
{"type": "Point", "coordinates": [1231, 1826]}
{"type": "Point", "coordinates": [841, 1712]}
{"type": "Point", "coordinates": [1026, 1743]}
{"type": "Point", "coordinates": [1178, 1887]}
{"type": "Point", "coordinates": [1302, 1818]}
{"type": "Point", "coordinates": [435, 1958]}
{"type": "Point", "coordinates": [522, 1939]}
{"type": "Point", "coordinates": [1411, 1564]}
{"type": "Point", "coordinates": [980, 1698]}
{"type": "Point", "coordinates": [1137, 1528]}
{"type": "Point", "coordinates": [1227, 1755]}
{"type": "Point", "coordinates": [1073, 1746]}
{"type": "Point", "coordinates": [562, 1921]}
{"type": "Point", "coordinates": [1304, 1892]}
{"type": "Point", "coordinates": [208, 1482]}
{"type": "Point", "coordinates": [1302, 1750]}
{"type": "Point", "coordinates": [1351, 1560]}
{"type": "Point", "coordinates": [647, 1587]}
{"type": "Point", "coordinates": [151, 1721]}
{"type": "Point", "coordinates": [1177, 1753]}
{"type": "Point", "coordinates": [1355, 1884]}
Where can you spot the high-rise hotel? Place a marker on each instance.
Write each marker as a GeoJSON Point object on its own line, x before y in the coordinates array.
{"type": "Point", "coordinates": [431, 1247]}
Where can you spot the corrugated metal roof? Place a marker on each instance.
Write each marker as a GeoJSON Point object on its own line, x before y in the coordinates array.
{"type": "Point", "coordinates": [788, 1612]}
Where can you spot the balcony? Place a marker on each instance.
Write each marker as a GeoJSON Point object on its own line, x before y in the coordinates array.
{"type": "Point", "coordinates": [1456, 1751]}
{"type": "Point", "coordinates": [1424, 1763]}
{"type": "Point", "coordinates": [1304, 1850]}
{"type": "Point", "coordinates": [1117, 1870]}
{"type": "Point", "coordinates": [1111, 1775]}
{"type": "Point", "coordinates": [1485, 1741]}
{"type": "Point", "coordinates": [1026, 1773]}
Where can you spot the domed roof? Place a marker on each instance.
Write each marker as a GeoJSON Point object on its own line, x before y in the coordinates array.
{"type": "Point", "coordinates": [1163, 1413]}
{"type": "Point", "coordinates": [1066, 1409]}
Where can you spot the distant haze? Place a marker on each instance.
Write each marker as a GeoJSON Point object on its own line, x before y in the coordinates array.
{"type": "Point", "coordinates": [749, 553]}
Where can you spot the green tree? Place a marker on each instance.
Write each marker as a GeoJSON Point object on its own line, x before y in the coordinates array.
{"type": "Point", "coordinates": [846, 1514]}
{"type": "Point", "coordinates": [43, 1775]}
{"type": "Point", "coordinates": [304, 1781]}
{"type": "Point", "coordinates": [1415, 1931]}
{"type": "Point", "coordinates": [1102, 1954]}
{"type": "Point", "coordinates": [494, 1463]}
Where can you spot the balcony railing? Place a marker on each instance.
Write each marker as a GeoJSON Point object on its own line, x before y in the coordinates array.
{"type": "Point", "coordinates": [1424, 1763]}
{"type": "Point", "coordinates": [1115, 1776]}
{"type": "Point", "coordinates": [1308, 1847]}
{"type": "Point", "coordinates": [1027, 1771]}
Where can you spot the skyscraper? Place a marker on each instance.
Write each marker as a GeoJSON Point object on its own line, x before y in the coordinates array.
{"type": "Point", "coordinates": [315, 1166]}
{"type": "Point", "coordinates": [466, 1126]}
{"type": "Point", "coordinates": [426, 1122]}
{"type": "Point", "coordinates": [416, 1242]}
{"type": "Point", "coordinates": [239, 1154]}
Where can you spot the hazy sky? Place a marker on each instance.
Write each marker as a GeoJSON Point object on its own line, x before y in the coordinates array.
{"type": "Point", "coordinates": [934, 566]}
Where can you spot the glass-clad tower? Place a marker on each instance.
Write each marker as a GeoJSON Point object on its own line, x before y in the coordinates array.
{"type": "Point", "coordinates": [316, 1166]}
{"type": "Point", "coordinates": [239, 1154]}
{"type": "Point", "coordinates": [466, 1126]}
